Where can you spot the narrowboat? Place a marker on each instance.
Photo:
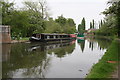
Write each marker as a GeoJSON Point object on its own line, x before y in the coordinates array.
{"type": "Point", "coordinates": [45, 37]}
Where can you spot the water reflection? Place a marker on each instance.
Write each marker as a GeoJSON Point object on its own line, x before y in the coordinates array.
{"type": "Point", "coordinates": [20, 58]}
{"type": "Point", "coordinates": [31, 60]}
{"type": "Point", "coordinates": [81, 42]}
{"type": "Point", "coordinates": [100, 43]}
{"type": "Point", "coordinates": [6, 50]}
{"type": "Point", "coordinates": [52, 60]}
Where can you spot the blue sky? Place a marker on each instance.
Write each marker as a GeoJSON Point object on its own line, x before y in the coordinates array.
{"type": "Point", "coordinates": [75, 9]}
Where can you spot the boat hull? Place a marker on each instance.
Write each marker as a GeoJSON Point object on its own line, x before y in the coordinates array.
{"type": "Point", "coordinates": [49, 40]}
{"type": "Point", "coordinates": [43, 37]}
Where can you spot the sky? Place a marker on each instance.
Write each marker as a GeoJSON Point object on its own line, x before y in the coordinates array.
{"type": "Point", "coordinates": [75, 9]}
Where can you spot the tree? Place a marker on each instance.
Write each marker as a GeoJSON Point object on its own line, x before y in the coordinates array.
{"type": "Point", "coordinates": [81, 27]}
{"type": "Point", "coordinates": [71, 22]}
{"type": "Point", "coordinates": [52, 27]}
{"type": "Point", "coordinates": [67, 25]}
{"type": "Point", "coordinates": [7, 9]}
{"type": "Point", "coordinates": [101, 23]}
{"type": "Point", "coordinates": [36, 18]}
{"type": "Point", "coordinates": [61, 20]}
{"type": "Point", "coordinates": [44, 9]}
{"type": "Point", "coordinates": [19, 23]}
{"type": "Point", "coordinates": [0, 14]}
{"type": "Point", "coordinates": [83, 23]}
{"type": "Point", "coordinates": [69, 30]}
{"type": "Point", "coordinates": [91, 25]}
{"type": "Point", "coordinates": [70, 26]}
{"type": "Point", "coordinates": [40, 6]}
{"type": "Point", "coordinates": [112, 18]}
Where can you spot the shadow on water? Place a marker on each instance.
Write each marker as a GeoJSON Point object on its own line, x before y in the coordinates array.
{"type": "Point", "coordinates": [31, 59]}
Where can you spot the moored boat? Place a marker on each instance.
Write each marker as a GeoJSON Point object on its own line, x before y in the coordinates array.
{"type": "Point", "coordinates": [44, 37]}
{"type": "Point", "coordinates": [73, 36]}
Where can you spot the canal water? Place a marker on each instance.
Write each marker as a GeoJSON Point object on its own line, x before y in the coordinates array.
{"type": "Point", "coordinates": [72, 59]}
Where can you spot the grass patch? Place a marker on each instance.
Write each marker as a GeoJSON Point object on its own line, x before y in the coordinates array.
{"type": "Point", "coordinates": [26, 38]}
{"type": "Point", "coordinates": [103, 69]}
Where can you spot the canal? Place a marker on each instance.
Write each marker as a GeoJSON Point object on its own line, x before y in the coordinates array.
{"type": "Point", "coordinates": [73, 59]}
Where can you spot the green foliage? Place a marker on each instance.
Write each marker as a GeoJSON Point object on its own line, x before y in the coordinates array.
{"type": "Point", "coordinates": [33, 19]}
{"type": "Point", "coordinates": [81, 27]}
{"type": "Point", "coordinates": [19, 23]}
{"type": "Point", "coordinates": [60, 25]}
{"type": "Point", "coordinates": [83, 23]}
{"type": "Point", "coordinates": [7, 9]}
{"type": "Point", "coordinates": [69, 30]}
{"type": "Point", "coordinates": [67, 25]}
{"type": "Point", "coordinates": [111, 24]}
{"type": "Point", "coordinates": [0, 14]}
{"type": "Point", "coordinates": [36, 21]}
{"type": "Point", "coordinates": [108, 28]}
{"type": "Point", "coordinates": [61, 20]}
{"type": "Point", "coordinates": [25, 38]}
{"type": "Point", "coordinates": [91, 25]}
{"type": "Point", "coordinates": [71, 22]}
{"type": "Point", "coordinates": [52, 27]}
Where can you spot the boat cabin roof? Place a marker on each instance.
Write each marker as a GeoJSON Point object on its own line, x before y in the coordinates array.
{"type": "Point", "coordinates": [48, 34]}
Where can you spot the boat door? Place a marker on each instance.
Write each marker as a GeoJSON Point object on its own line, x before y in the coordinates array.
{"type": "Point", "coordinates": [38, 36]}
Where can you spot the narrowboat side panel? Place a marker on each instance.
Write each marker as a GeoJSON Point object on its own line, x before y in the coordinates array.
{"type": "Point", "coordinates": [49, 37]}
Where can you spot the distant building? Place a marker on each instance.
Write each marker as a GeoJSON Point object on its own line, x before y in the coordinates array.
{"type": "Point", "coordinates": [5, 34]}
{"type": "Point", "coordinates": [90, 30]}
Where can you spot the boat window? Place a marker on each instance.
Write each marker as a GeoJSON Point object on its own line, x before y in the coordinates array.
{"type": "Point", "coordinates": [51, 36]}
{"type": "Point", "coordinates": [58, 36]}
{"type": "Point", "coordinates": [54, 37]}
{"type": "Point", "coordinates": [48, 37]}
{"type": "Point", "coordinates": [38, 36]}
{"type": "Point", "coordinates": [61, 36]}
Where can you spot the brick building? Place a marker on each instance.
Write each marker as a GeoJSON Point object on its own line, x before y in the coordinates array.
{"type": "Point", "coordinates": [5, 34]}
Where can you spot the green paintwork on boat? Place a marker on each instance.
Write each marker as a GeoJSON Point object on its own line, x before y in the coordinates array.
{"type": "Point", "coordinates": [80, 35]}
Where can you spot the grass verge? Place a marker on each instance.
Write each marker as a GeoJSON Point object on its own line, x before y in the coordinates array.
{"type": "Point", "coordinates": [107, 65]}
{"type": "Point", "coordinates": [26, 38]}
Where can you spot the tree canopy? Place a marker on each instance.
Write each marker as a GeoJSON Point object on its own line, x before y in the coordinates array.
{"type": "Point", "coordinates": [81, 27]}
{"type": "Point", "coordinates": [33, 18]}
{"type": "Point", "coordinates": [111, 24]}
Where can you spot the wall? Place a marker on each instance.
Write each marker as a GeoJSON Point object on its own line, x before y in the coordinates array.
{"type": "Point", "coordinates": [5, 34]}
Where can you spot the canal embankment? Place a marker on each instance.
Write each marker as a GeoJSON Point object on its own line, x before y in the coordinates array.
{"type": "Point", "coordinates": [108, 65]}
{"type": "Point", "coordinates": [22, 40]}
